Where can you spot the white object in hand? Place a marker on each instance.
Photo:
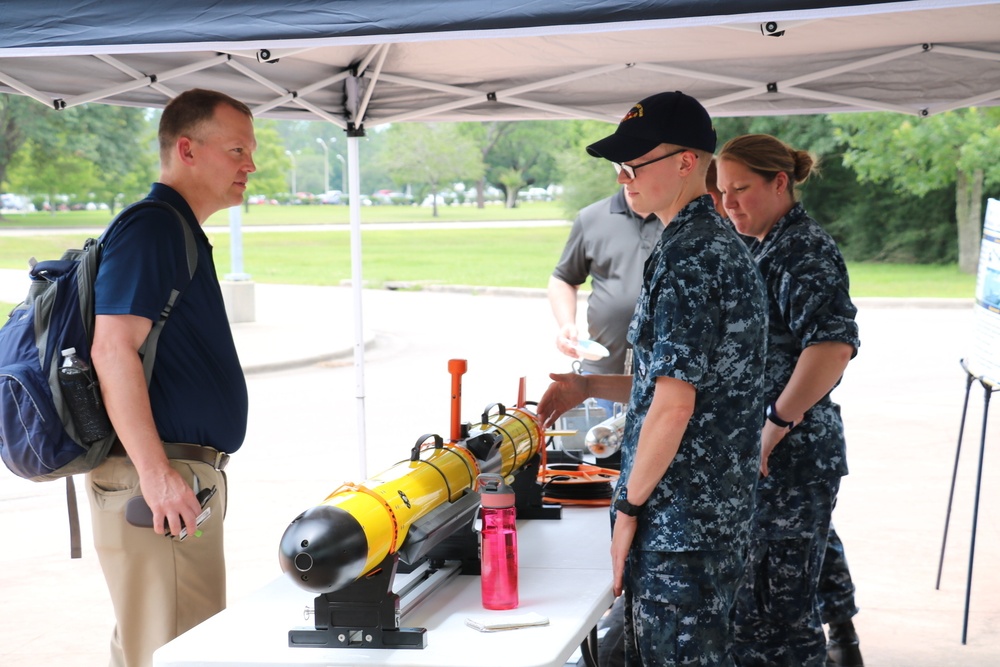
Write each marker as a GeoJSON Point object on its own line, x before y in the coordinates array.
{"type": "Point", "coordinates": [591, 350]}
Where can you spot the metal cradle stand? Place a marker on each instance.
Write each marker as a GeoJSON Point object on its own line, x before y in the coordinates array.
{"type": "Point", "coordinates": [366, 614]}
{"type": "Point", "coordinates": [988, 389]}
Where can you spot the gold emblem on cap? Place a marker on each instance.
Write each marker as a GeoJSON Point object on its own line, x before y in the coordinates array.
{"type": "Point", "coordinates": [634, 112]}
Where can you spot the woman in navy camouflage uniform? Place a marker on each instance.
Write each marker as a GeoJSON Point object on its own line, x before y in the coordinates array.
{"type": "Point", "coordinates": [812, 336]}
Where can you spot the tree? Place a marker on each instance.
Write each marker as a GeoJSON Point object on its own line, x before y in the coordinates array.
{"type": "Point", "coordinates": [271, 177]}
{"type": "Point", "coordinates": [524, 153]}
{"type": "Point", "coordinates": [870, 221]}
{"type": "Point", "coordinates": [17, 115]}
{"type": "Point", "coordinates": [51, 168]}
{"type": "Point", "coordinates": [585, 179]}
{"type": "Point", "coordinates": [960, 148]}
{"type": "Point", "coordinates": [431, 154]}
{"type": "Point", "coordinates": [485, 135]}
{"type": "Point", "coordinates": [90, 152]}
{"type": "Point", "coordinates": [519, 153]}
{"type": "Point", "coordinates": [125, 153]}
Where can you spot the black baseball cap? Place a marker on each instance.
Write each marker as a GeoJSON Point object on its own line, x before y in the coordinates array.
{"type": "Point", "coordinates": [664, 118]}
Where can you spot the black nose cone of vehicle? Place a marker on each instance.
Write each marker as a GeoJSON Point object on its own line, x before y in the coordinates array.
{"type": "Point", "coordinates": [324, 549]}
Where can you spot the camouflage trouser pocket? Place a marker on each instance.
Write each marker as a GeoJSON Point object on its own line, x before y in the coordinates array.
{"type": "Point", "coordinates": [679, 607]}
{"type": "Point", "coordinates": [786, 585]}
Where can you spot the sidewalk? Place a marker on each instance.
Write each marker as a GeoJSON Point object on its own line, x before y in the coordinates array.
{"type": "Point", "coordinates": [296, 326]}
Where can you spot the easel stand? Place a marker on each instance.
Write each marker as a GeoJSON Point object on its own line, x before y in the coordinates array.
{"type": "Point", "coordinates": [988, 389]}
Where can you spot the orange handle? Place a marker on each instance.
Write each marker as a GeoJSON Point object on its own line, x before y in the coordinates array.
{"type": "Point", "coordinates": [457, 368]}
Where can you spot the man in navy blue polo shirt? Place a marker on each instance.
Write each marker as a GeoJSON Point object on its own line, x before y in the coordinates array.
{"type": "Point", "coordinates": [175, 436]}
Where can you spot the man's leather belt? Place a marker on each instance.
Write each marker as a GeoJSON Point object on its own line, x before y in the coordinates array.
{"type": "Point", "coordinates": [182, 450]}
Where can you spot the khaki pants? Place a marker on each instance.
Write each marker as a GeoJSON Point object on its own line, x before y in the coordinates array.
{"type": "Point", "coordinates": [160, 586]}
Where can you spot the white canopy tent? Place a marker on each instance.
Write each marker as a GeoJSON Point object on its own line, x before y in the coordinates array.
{"type": "Point", "coordinates": [359, 65]}
{"type": "Point", "coordinates": [379, 62]}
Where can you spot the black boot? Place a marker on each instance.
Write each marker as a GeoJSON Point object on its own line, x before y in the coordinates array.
{"type": "Point", "coordinates": [842, 648]}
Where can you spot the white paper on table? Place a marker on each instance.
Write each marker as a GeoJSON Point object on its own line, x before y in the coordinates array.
{"type": "Point", "coordinates": [495, 623]}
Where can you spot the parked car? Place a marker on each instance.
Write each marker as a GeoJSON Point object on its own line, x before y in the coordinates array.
{"type": "Point", "coordinates": [11, 203]}
{"type": "Point", "coordinates": [444, 198]}
{"type": "Point", "coordinates": [262, 199]}
{"type": "Point", "coordinates": [332, 197]}
{"type": "Point", "coordinates": [365, 201]}
{"type": "Point", "coordinates": [534, 194]}
{"type": "Point", "coordinates": [430, 200]}
{"type": "Point", "coordinates": [391, 198]}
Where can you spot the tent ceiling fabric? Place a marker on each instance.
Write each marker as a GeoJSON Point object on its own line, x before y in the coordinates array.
{"type": "Point", "coordinates": [395, 61]}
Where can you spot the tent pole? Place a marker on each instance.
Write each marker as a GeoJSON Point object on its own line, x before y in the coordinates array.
{"type": "Point", "coordinates": [236, 245]}
{"type": "Point", "coordinates": [354, 186]}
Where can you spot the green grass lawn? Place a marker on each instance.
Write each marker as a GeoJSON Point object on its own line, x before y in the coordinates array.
{"type": "Point", "coordinates": [484, 257]}
{"type": "Point", "coordinates": [480, 257]}
{"type": "Point", "coordinates": [910, 280]}
{"type": "Point", "coordinates": [520, 258]}
{"type": "Point", "coordinates": [517, 258]}
{"type": "Point", "coordinates": [311, 215]}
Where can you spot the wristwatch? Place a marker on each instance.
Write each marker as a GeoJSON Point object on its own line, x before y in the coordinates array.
{"type": "Point", "coordinates": [625, 507]}
{"type": "Point", "coordinates": [772, 416]}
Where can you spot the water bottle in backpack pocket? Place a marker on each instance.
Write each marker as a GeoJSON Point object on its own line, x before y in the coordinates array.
{"type": "Point", "coordinates": [83, 396]}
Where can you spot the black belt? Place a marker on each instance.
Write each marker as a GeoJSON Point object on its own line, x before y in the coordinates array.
{"type": "Point", "coordinates": [182, 450]}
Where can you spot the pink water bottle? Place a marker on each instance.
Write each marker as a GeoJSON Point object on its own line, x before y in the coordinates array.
{"type": "Point", "coordinates": [498, 543]}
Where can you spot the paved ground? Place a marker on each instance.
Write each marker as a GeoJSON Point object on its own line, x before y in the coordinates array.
{"type": "Point", "coordinates": [901, 398]}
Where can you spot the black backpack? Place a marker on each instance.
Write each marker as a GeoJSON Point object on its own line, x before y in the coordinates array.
{"type": "Point", "coordinates": [52, 419]}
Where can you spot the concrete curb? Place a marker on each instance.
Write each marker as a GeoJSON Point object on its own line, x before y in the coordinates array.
{"type": "Point", "coordinates": [866, 302]}
{"type": "Point", "coordinates": [906, 302]}
{"type": "Point", "coordinates": [289, 364]}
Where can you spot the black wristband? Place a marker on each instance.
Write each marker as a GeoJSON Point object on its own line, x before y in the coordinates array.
{"type": "Point", "coordinates": [625, 507]}
{"type": "Point", "coordinates": [772, 416]}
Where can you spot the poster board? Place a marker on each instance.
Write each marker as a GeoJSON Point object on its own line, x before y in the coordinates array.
{"type": "Point", "coordinates": [984, 361]}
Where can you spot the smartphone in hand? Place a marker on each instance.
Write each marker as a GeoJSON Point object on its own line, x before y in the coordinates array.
{"type": "Point", "coordinates": [137, 512]}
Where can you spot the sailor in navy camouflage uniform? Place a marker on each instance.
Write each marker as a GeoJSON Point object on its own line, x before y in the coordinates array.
{"type": "Point", "coordinates": [836, 604]}
{"type": "Point", "coordinates": [691, 449]}
{"type": "Point", "coordinates": [812, 335]}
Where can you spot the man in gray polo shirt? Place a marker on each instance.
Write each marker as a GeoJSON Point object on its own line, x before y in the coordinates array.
{"type": "Point", "coordinates": [609, 244]}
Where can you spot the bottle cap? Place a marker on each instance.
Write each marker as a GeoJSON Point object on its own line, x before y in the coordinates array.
{"type": "Point", "coordinates": [494, 491]}
{"type": "Point", "coordinates": [68, 351]}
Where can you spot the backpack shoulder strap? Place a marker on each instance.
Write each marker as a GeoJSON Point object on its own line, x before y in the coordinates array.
{"type": "Point", "coordinates": [75, 542]}
{"type": "Point", "coordinates": [148, 349]}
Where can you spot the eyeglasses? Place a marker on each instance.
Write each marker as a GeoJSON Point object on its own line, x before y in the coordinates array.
{"type": "Point", "coordinates": [629, 169]}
